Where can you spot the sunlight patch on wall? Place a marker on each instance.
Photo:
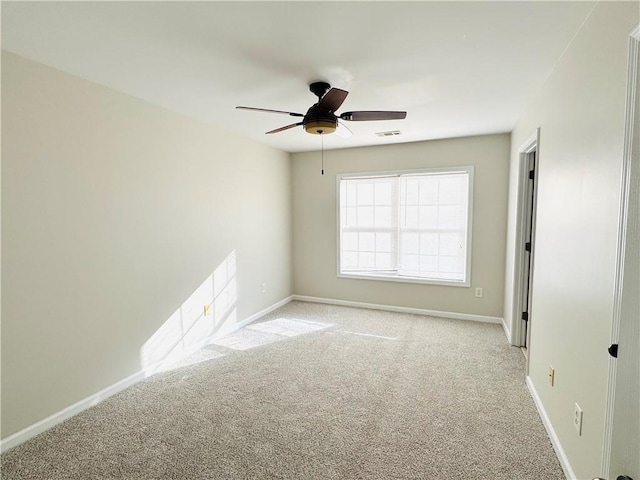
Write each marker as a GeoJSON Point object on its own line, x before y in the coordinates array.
{"type": "Point", "coordinates": [191, 327]}
{"type": "Point", "coordinates": [225, 290]}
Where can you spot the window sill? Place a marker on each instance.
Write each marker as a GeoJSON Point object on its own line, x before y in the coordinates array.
{"type": "Point", "coordinates": [395, 278]}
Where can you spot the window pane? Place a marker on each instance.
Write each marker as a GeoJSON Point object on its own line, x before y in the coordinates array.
{"type": "Point", "coordinates": [367, 242]}
{"type": "Point", "coordinates": [365, 216]}
{"type": "Point", "coordinates": [410, 217]}
{"type": "Point", "coordinates": [351, 200]}
{"type": "Point", "coordinates": [428, 190]}
{"type": "Point", "coordinates": [352, 217]}
{"type": "Point", "coordinates": [383, 261]}
{"type": "Point", "coordinates": [429, 243]}
{"type": "Point", "coordinates": [428, 217]}
{"type": "Point", "coordinates": [409, 243]}
{"type": "Point", "coordinates": [449, 217]}
{"type": "Point", "coordinates": [452, 189]}
{"type": "Point", "coordinates": [410, 263]}
{"type": "Point", "coordinates": [349, 259]}
{"type": "Point", "coordinates": [412, 189]}
{"type": "Point", "coordinates": [350, 241]}
{"type": "Point", "coordinates": [428, 264]}
{"type": "Point", "coordinates": [383, 193]}
{"type": "Point", "coordinates": [383, 242]}
{"type": "Point", "coordinates": [451, 244]}
{"type": "Point", "coordinates": [448, 265]}
{"type": "Point", "coordinates": [365, 194]}
{"type": "Point", "coordinates": [382, 216]}
{"type": "Point", "coordinates": [367, 260]}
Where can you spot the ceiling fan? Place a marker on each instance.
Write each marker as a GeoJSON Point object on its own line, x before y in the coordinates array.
{"type": "Point", "coordinates": [321, 119]}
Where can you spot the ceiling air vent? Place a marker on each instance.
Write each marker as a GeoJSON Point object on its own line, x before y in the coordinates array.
{"type": "Point", "coordinates": [391, 133]}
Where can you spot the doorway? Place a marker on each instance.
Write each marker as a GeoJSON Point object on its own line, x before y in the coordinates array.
{"type": "Point", "coordinates": [525, 244]}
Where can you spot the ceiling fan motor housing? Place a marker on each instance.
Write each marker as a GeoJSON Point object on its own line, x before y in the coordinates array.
{"type": "Point", "coordinates": [319, 122]}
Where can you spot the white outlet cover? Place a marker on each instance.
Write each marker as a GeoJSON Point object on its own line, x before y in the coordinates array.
{"type": "Point", "coordinates": [577, 418]}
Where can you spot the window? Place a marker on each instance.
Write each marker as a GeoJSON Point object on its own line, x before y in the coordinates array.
{"type": "Point", "coordinates": [412, 226]}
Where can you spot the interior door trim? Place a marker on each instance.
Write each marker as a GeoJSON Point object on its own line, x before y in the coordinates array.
{"type": "Point", "coordinates": [631, 118]}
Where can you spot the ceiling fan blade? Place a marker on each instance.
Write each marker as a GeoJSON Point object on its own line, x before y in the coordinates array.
{"type": "Point", "coordinates": [364, 116]}
{"type": "Point", "coordinates": [293, 114]}
{"type": "Point", "coordinates": [282, 129]}
{"type": "Point", "coordinates": [343, 131]}
{"type": "Point", "coordinates": [332, 100]}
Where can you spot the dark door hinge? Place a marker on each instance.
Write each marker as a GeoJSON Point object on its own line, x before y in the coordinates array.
{"type": "Point", "coordinates": [532, 174]}
{"type": "Point", "coordinates": [613, 350]}
{"type": "Point", "coordinates": [525, 316]}
{"type": "Point", "coordinates": [527, 246]}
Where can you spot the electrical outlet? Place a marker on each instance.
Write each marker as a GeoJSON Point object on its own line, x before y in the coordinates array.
{"type": "Point", "coordinates": [577, 418]}
{"type": "Point", "coordinates": [207, 310]}
{"type": "Point", "coordinates": [552, 375]}
{"type": "Point", "coordinates": [479, 292]}
{"type": "Point", "coordinates": [263, 288]}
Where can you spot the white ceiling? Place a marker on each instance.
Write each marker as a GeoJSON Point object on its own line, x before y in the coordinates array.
{"type": "Point", "coordinates": [457, 68]}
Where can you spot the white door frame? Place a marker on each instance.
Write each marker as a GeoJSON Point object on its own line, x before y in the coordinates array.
{"type": "Point", "coordinates": [629, 210]}
{"type": "Point", "coordinates": [532, 144]}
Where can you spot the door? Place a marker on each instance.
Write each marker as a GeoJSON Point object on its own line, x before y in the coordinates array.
{"type": "Point", "coordinates": [623, 427]}
{"type": "Point", "coordinates": [527, 269]}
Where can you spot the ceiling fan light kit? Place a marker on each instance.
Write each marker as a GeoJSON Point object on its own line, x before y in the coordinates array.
{"type": "Point", "coordinates": [321, 119]}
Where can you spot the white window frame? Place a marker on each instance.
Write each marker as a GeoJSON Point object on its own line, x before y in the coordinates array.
{"type": "Point", "coordinates": [399, 278]}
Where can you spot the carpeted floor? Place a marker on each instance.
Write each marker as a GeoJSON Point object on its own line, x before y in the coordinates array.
{"type": "Point", "coordinates": [315, 392]}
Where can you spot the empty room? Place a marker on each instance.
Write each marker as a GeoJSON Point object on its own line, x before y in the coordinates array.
{"type": "Point", "coordinates": [320, 240]}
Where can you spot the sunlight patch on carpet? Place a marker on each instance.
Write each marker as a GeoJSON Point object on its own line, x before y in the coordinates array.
{"type": "Point", "coordinates": [272, 331]}
{"type": "Point", "coordinates": [371, 335]}
{"type": "Point", "coordinates": [289, 327]}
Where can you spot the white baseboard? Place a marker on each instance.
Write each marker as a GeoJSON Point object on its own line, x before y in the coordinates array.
{"type": "Point", "coordinates": [394, 308]}
{"type": "Point", "coordinates": [68, 412]}
{"type": "Point", "coordinates": [555, 441]}
{"type": "Point", "coordinates": [267, 310]}
{"type": "Point", "coordinates": [507, 331]}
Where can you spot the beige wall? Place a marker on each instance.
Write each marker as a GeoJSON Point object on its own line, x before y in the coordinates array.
{"type": "Point", "coordinates": [580, 113]}
{"type": "Point", "coordinates": [113, 212]}
{"type": "Point", "coordinates": [314, 220]}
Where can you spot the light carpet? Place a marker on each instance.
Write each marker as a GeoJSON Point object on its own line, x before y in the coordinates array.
{"type": "Point", "coordinates": [315, 391]}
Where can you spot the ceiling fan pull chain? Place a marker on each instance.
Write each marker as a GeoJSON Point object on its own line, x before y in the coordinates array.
{"type": "Point", "coordinates": [322, 149]}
